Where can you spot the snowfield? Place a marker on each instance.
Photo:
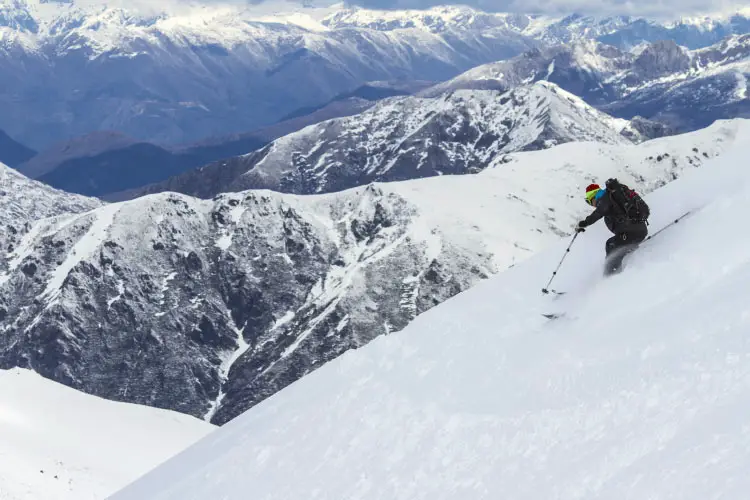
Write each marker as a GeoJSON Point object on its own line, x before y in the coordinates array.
{"type": "Point", "coordinates": [641, 389]}
{"type": "Point", "coordinates": [58, 444]}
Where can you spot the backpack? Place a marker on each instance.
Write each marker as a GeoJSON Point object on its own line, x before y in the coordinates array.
{"type": "Point", "coordinates": [629, 203]}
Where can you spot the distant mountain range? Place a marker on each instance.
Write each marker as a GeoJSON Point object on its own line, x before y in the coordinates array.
{"type": "Point", "coordinates": [180, 77]}
{"type": "Point", "coordinates": [685, 89]}
{"type": "Point", "coordinates": [171, 77]}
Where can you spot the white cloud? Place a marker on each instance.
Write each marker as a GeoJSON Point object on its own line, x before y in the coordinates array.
{"type": "Point", "coordinates": [669, 9]}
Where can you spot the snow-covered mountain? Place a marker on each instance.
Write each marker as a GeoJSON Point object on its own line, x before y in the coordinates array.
{"type": "Point", "coordinates": [625, 32]}
{"type": "Point", "coordinates": [688, 90]}
{"type": "Point", "coordinates": [436, 19]}
{"type": "Point", "coordinates": [210, 306]}
{"type": "Point", "coordinates": [662, 81]}
{"type": "Point", "coordinates": [639, 391]}
{"type": "Point", "coordinates": [407, 138]}
{"type": "Point", "coordinates": [200, 71]}
{"type": "Point", "coordinates": [61, 444]}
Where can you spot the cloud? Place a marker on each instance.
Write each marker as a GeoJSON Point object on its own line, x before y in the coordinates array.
{"type": "Point", "coordinates": [647, 8]}
{"type": "Point", "coordinates": [661, 9]}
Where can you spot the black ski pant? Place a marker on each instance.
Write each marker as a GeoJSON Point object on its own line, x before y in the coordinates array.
{"type": "Point", "coordinates": [622, 243]}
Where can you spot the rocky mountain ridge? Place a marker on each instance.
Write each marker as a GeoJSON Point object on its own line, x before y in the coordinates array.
{"type": "Point", "coordinates": [660, 82]}
{"type": "Point", "coordinates": [407, 138]}
{"type": "Point", "coordinates": [210, 306]}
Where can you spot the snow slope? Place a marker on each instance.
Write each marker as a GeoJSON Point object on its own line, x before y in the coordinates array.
{"type": "Point", "coordinates": [641, 390]}
{"type": "Point", "coordinates": [57, 443]}
{"type": "Point", "coordinates": [246, 293]}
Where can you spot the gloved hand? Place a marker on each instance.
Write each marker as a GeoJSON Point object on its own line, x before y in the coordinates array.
{"type": "Point", "coordinates": [580, 228]}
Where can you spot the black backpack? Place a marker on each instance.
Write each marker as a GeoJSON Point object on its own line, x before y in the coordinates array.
{"type": "Point", "coordinates": [629, 203]}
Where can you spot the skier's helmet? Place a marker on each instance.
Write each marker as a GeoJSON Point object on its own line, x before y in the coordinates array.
{"type": "Point", "coordinates": [591, 191]}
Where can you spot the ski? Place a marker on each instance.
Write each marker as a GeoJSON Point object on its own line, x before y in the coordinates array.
{"type": "Point", "coordinates": [553, 315]}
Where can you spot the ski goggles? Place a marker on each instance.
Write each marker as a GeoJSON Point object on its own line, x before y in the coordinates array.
{"type": "Point", "coordinates": [591, 196]}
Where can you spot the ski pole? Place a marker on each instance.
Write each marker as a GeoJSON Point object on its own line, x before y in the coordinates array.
{"type": "Point", "coordinates": [678, 219]}
{"type": "Point", "coordinates": [567, 251]}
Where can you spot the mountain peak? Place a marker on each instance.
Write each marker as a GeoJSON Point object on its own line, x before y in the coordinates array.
{"type": "Point", "coordinates": [409, 137]}
{"type": "Point", "coordinates": [662, 58]}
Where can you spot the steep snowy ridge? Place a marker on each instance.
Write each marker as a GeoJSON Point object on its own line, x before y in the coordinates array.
{"type": "Point", "coordinates": [640, 390]}
{"type": "Point", "coordinates": [210, 306]}
{"type": "Point", "coordinates": [565, 65]}
{"type": "Point", "coordinates": [23, 201]}
{"type": "Point", "coordinates": [62, 444]}
{"type": "Point", "coordinates": [406, 138]}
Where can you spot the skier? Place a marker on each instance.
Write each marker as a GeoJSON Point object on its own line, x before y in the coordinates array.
{"type": "Point", "coordinates": [625, 214]}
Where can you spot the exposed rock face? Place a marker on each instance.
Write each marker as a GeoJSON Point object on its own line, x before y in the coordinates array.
{"type": "Point", "coordinates": [153, 301]}
{"type": "Point", "coordinates": [660, 59]}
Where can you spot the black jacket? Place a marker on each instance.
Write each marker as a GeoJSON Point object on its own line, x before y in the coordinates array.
{"type": "Point", "coordinates": [614, 218]}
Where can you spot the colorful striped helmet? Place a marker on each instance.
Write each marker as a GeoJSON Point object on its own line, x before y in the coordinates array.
{"type": "Point", "coordinates": [591, 191]}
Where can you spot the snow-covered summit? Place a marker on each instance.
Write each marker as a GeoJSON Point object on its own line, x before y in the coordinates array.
{"type": "Point", "coordinates": [640, 389]}
{"type": "Point", "coordinates": [595, 62]}
{"type": "Point", "coordinates": [24, 200]}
